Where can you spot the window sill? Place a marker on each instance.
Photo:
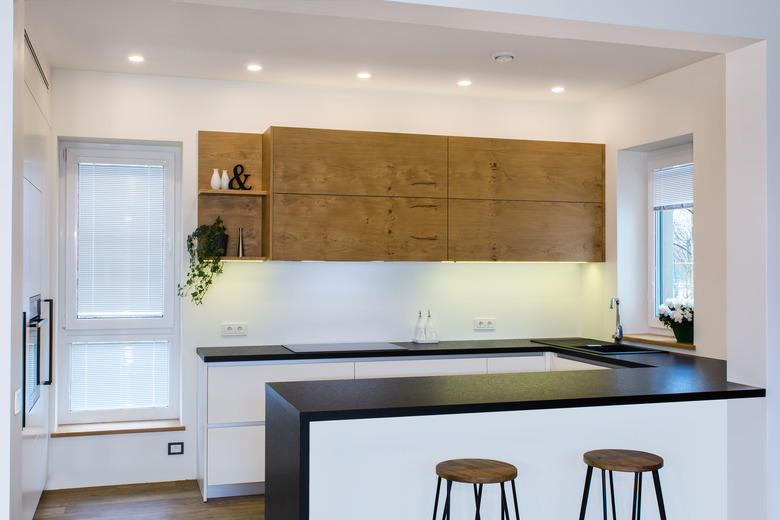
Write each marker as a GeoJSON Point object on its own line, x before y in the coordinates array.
{"type": "Point", "coordinates": [657, 339]}
{"type": "Point", "coordinates": [117, 428]}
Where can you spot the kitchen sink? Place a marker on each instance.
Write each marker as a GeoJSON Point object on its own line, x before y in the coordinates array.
{"type": "Point", "coordinates": [595, 346]}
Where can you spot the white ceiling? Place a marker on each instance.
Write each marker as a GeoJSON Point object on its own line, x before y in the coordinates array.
{"type": "Point", "coordinates": [327, 42]}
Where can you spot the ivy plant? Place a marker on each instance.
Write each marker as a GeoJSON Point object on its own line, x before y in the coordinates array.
{"type": "Point", "coordinates": [206, 246]}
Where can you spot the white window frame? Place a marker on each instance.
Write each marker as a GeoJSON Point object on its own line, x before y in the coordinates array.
{"type": "Point", "coordinates": [165, 328]}
{"type": "Point", "coordinates": [667, 157]}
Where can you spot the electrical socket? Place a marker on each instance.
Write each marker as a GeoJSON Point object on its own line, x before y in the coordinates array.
{"type": "Point", "coordinates": [234, 329]}
{"type": "Point", "coordinates": [175, 448]}
{"type": "Point", "coordinates": [484, 324]}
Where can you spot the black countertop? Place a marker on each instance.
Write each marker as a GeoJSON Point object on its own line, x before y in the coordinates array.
{"type": "Point", "coordinates": [637, 378]}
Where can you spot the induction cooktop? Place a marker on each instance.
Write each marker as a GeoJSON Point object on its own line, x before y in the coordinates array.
{"type": "Point", "coordinates": [309, 348]}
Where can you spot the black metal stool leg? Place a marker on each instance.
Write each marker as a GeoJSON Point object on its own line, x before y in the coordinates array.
{"type": "Point", "coordinates": [514, 496]}
{"type": "Point", "coordinates": [436, 502]}
{"type": "Point", "coordinates": [588, 476]}
{"type": "Point", "coordinates": [636, 490]}
{"type": "Point", "coordinates": [658, 495]}
{"type": "Point", "coordinates": [612, 494]}
{"type": "Point", "coordinates": [478, 501]}
{"type": "Point", "coordinates": [504, 503]}
{"type": "Point", "coordinates": [446, 514]}
{"type": "Point", "coordinates": [639, 498]}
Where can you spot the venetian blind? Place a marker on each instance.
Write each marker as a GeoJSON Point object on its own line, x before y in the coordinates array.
{"type": "Point", "coordinates": [673, 187]}
{"type": "Point", "coordinates": [120, 243]}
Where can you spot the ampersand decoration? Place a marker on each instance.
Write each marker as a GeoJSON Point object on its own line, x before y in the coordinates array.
{"type": "Point", "coordinates": [239, 184]}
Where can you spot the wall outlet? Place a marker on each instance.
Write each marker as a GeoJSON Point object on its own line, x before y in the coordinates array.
{"type": "Point", "coordinates": [234, 329]}
{"type": "Point", "coordinates": [484, 324]}
{"type": "Point", "coordinates": [175, 448]}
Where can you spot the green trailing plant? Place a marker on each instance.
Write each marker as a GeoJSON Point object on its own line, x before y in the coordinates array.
{"type": "Point", "coordinates": [205, 245]}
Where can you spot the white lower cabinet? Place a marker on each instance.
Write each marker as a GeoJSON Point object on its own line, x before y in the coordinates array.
{"type": "Point", "coordinates": [236, 455]}
{"type": "Point", "coordinates": [419, 367]}
{"type": "Point", "coordinates": [508, 364]}
{"type": "Point", "coordinates": [231, 404]}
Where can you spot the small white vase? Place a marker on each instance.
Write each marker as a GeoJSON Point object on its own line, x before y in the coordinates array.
{"type": "Point", "coordinates": [225, 181]}
{"type": "Point", "coordinates": [215, 183]}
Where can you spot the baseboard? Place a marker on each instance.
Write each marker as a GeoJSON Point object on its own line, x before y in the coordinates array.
{"type": "Point", "coordinates": [235, 490]}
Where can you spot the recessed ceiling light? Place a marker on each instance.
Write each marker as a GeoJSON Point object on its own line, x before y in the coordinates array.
{"type": "Point", "coordinates": [558, 90]}
{"type": "Point", "coordinates": [135, 58]}
{"type": "Point", "coordinates": [254, 68]}
{"type": "Point", "coordinates": [464, 83]}
{"type": "Point", "coordinates": [504, 56]}
{"type": "Point", "coordinates": [364, 75]}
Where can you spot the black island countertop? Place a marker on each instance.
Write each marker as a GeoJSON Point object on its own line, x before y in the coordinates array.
{"type": "Point", "coordinates": [291, 407]}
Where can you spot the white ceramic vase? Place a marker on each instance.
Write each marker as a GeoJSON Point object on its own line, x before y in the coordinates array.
{"type": "Point", "coordinates": [215, 182]}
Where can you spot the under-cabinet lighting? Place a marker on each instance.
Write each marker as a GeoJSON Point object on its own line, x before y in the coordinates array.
{"type": "Point", "coordinates": [364, 75]}
{"type": "Point", "coordinates": [464, 83]}
{"type": "Point", "coordinates": [135, 58]}
{"type": "Point", "coordinates": [254, 68]}
{"type": "Point", "coordinates": [557, 90]}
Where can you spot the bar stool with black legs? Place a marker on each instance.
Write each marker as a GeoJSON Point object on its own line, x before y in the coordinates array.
{"type": "Point", "coordinates": [636, 462]}
{"type": "Point", "coordinates": [476, 472]}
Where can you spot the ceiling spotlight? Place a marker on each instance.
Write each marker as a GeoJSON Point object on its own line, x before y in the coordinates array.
{"type": "Point", "coordinates": [136, 58]}
{"type": "Point", "coordinates": [464, 83]}
{"type": "Point", "coordinates": [364, 75]}
{"type": "Point", "coordinates": [504, 57]}
{"type": "Point", "coordinates": [558, 90]}
{"type": "Point", "coordinates": [254, 68]}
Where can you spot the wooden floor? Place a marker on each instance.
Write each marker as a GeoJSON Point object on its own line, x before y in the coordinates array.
{"type": "Point", "coordinates": [159, 501]}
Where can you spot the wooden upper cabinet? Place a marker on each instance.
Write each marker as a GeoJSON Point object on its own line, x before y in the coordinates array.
{"type": "Point", "coordinates": [505, 169]}
{"type": "Point", "coordinates": [339, 162]}
{"type": "Point", "coordinates": [501, 230]}
{"type": "Point", "coordinates": [355, 228]}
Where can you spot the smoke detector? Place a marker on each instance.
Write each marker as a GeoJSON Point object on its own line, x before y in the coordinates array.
{"type": "Point", "coordinates": [504, 57]}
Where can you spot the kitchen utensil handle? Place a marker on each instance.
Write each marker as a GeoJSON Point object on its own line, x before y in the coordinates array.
{"type": "Point", "coordinates": [50, 380]}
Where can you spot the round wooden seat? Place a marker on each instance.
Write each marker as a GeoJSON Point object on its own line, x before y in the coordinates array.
{"type": "Point", "coordinates": [476, 471]}
{"type": "Point", "coordinates": [623, 460]}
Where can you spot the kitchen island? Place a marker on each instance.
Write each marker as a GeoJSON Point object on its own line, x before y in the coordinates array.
{"type": "Point", "coordinates": [366, 448]}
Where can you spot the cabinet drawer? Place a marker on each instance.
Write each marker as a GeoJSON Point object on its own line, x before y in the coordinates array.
{"type": "Point", "coordinates": [236, 455]}
{"type": "Point", "coordinates": [237, 393]}
{"type": "Point", "coordinates": [419, 367]}
{"type": "Point", "coordinates": [511, 364]}
{"type": "Point", "coordinates": [345, 228]}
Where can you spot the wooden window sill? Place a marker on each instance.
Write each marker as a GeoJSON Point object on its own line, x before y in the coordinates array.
{"type": "Point", "coordinates": [657, 339]}
{"type": "Point", "coordinates": [116, 428]}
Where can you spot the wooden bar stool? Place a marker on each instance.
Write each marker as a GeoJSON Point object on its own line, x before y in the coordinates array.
{"type": "Point", "coordinates": [476, 472]}
{"type": "Point", "coordinates": [636, 462]}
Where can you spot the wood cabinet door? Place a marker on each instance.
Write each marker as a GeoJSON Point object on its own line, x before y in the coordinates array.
{"type": "Point", "coordinates": [506, 169]}
{"type": "Point", "coordinates": [346, 228]}
{"type": "Point", "coordinates": [339, 162]}
{"type": "Point", "coordinates": [484, 230]}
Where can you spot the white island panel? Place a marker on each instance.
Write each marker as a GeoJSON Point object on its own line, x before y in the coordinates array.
{"type": "Point", "coordinates": [384, 468]}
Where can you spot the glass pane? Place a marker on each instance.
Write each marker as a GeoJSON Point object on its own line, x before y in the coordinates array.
{"type": "Point", "coordinates": [117, 376]}
{"type": "Point", "coordinates": [120, 243]}
{"type": "Point", "coordinates": [674, 254]}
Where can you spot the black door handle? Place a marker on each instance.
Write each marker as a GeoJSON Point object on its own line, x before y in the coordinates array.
{"type": "Point", "coordinates": [51, 341]}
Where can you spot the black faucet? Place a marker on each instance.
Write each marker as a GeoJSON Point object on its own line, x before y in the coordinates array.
{"type": "Point", "coordinates": [615, 304]}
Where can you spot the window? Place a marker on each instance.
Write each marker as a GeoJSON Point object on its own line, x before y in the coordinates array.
{"type": "Point", "coordinates": [119, 270]}
{"type": "Point", "coordinates": [671, 236]}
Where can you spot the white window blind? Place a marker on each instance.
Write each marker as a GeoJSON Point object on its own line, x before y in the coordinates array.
{"type": "Point", "coordinates": [673, 187]}
{"type": "Point", "coordinates": [119, 376]}
{"type": "Point", "coordinates": [120, 248]}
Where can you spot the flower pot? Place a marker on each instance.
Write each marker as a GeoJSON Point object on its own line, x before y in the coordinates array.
{"type": "Point", "coordinates": [219, 247]}
{"type": "Point", "coordinates": [683, 332]}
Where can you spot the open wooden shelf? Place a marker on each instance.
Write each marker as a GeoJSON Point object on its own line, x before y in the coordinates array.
{"type": "Point", "coordinates": [249, 193]}
{"type": "Point", "coordinates": [244, 259]}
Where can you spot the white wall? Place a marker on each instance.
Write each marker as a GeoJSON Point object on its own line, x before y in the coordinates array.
{"type": "Point", "coordinates": [687, 101]}
{"type": "Point", "coordinates": [309, 302]}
